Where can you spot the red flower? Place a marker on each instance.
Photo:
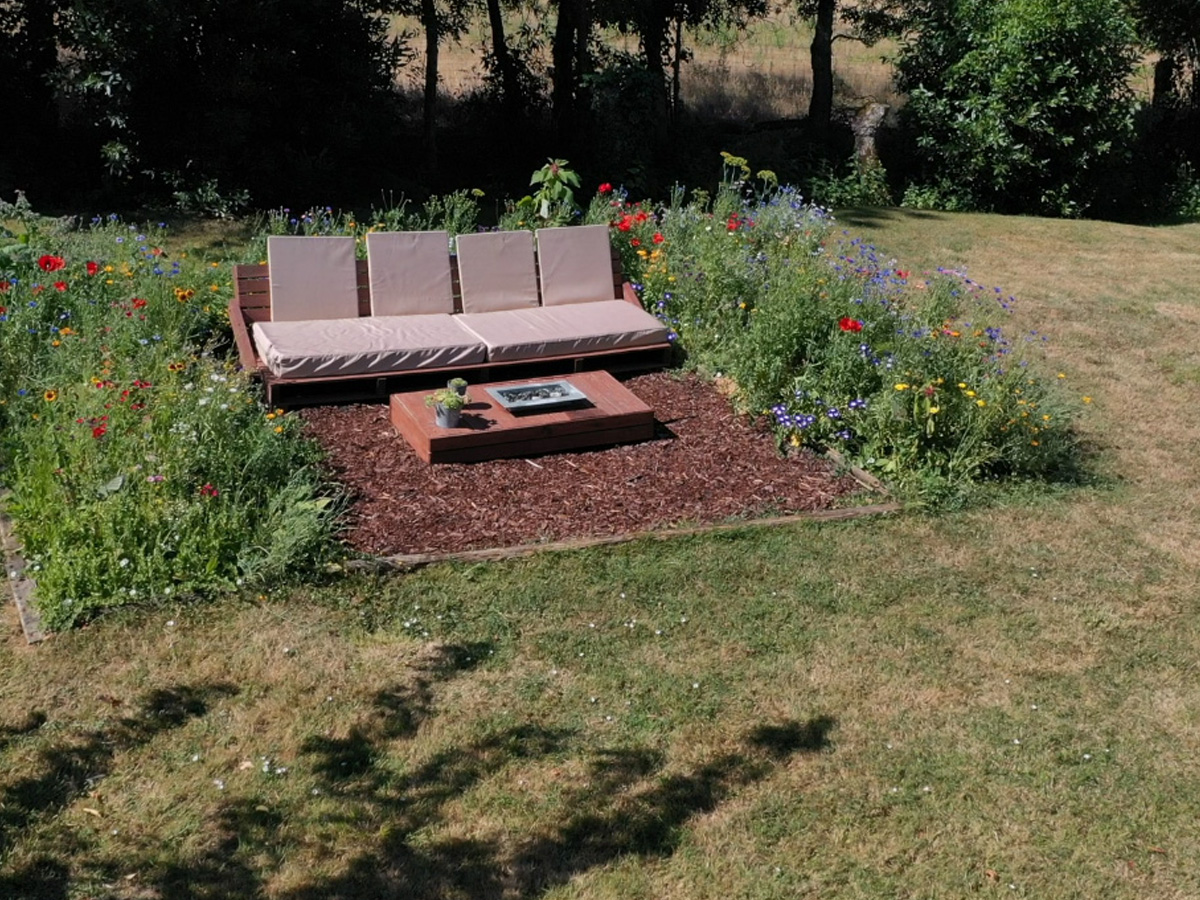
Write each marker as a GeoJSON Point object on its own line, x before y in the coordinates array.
{"type": "Point", "coordinates": [606, 188]}
{"type": "Point", "coordinates": [50, 263]}
{"type": "Point", "coordinates": [658, 238]}
{"type": "Point", "coordinates": [848, 324]}
{"type": "Point", "coordinates": [4, 286]}
{"type": "Point", "coordinates": [642, 216]}
{"type": "Point", "coordinates": [733, 223]}
{"type": "Point", "coordinates": [60, 286]}
{"type": "Point", "coordinates": [99, 431]}
{"type": "Point", "coordinates": [92, 267]}
{"type": "Point", "coordinates": [207, 490]}
{"type": "Point", "coordinates": [138, 302]}
{"type": "Point", "coordinates": [902, 273]}
{"type": "Point", "coordinates": [625, 224]}
{"type": "Point", "coordinates": [635, 243]}
{"type": "Point", "coordinates": [3, 310]}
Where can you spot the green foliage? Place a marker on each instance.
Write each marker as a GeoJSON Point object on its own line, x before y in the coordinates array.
{"type": "Point", "coordinates": [1020, 105]}
{"type": "Point", "coordinates": [141, 465]}
{"type": "Point", "coordinates": [915, 378]}
{"type": "Point", "coordinates": [857, 184]}
{"type": "Point", "coordinates": [277, 95]}
{"type": "Point", "coordinates": [554, 200]}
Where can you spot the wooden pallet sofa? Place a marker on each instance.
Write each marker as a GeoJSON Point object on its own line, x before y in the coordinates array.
{"type": "Point", "coordinates": [319, 326]}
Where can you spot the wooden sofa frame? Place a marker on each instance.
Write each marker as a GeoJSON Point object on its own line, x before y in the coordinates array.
{"type": "Point", "coordinates": [252, 303]}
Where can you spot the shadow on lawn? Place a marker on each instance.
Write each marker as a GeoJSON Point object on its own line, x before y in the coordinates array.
{"type": "Point", "coordinates": [625, 806]}
{"type": "Point", "coordinates": [69, 768]}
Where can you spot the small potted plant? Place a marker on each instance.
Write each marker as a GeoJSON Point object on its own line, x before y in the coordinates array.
{"type": "Point", "coordinates": [458, 384]}
{"type": "Point", "coordinates": [447, 404]}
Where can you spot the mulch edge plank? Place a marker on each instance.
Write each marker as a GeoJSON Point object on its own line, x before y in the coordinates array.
{"type": "Point", "coordinates": [19, 585]}
{"type": "Point", "coordinates": [409, 562]}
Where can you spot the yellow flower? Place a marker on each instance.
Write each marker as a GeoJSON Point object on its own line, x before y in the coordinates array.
{"type": "Point", "coordinates": [1087, 399]}
{"type": "Point", "coordinates": [55, 343]}
{"type": "Point", "coordinates": [970, 393]}
{"type": "Point", "coordinates": [902, 386]}
{"type": "Point", "coordinates": [1045, 418]}
{"type": "Point", "coordinates": [981, 403]}
{"type": "Point", "coordinates": [795, 441]}
{"type": "Point", "coordinates": [270, 416]}
{"type": "Point", "coordinates": [50, 396]}
{"type": "Point", "coordinates": [934, 410]}
{"type": "Point", "coordinates": [962, 384]}
{"type": "Point", "coordinates": [110, 268]}
{"type": "Point", "coordinates": [279, 429]}
{"type": "Point", "coordinates": [1035, 443]}
{"type": "Point", "coordinates": [1062, 374]}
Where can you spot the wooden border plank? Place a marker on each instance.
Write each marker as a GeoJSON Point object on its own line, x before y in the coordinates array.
{"type": "Point", "coordinates": [20, 586]}
{"type": "Point", "coordinates": [409, 562]}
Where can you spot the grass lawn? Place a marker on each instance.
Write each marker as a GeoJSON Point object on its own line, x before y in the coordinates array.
{"type": "Point", "coordinates": [999, 702]}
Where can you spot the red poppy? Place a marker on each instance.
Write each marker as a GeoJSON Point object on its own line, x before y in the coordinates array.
{"type": "Point", "coordinates": [625, 224]}
{"type": "Point", "coordinates": [50, 263]}
{"type": "Point", "coordinates": [642, 216]}
{"type": "Point", "coordinates": [209, 491]}
{"type": "Point", "coordinates": [60, 286]}
{"type": "Point", "coordinates": [4, 286]}
{"type": "Point", "coordinates": [138, 302]}
{"type": "Point", "coordinates": [99, 431]}
{"type": "Point", "coordinates": [733, 223]}
{"type": "Point", "coordinates": [606, 188]}
{"type": "Point", "coordinates": [902, 273]}
{"type": "Point", "coordinates": [92, 267]}
{"type": "Point", "coordinates": [848, 324]}
{"type": "Point", "coordinates": [658, 238]}
{"type": "Point", "coordinates": [635, 243]}
{"type": "Point", "coordinates": [3, 310]}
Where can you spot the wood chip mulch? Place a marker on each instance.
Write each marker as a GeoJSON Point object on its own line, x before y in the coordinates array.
{"type": "Point", "coordinates": [705, 465]}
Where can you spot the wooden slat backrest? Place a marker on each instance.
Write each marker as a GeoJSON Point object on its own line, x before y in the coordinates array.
{"type": "Point", "coordinates": [252, 288]}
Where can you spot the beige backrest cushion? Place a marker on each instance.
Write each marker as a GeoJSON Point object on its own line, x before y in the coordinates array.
{"type": "Point", "coordinates": [496, 271]}
{"type": "Point", "coordinates": [576, 264]}
{"type": "Point", "coordinates": [312, 278]}
{"type": "Point", "coordinates": [409, 273]}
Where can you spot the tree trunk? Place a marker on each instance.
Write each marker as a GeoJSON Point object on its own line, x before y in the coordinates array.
{"type": "Point", "coordinates": [569, 58]}
{"type": "Point", "coordinates": [429, 20]}
{"type": "Point", "coordinates": [653, 44]}
{"type": "Point", "coordinates": [562, 92]}
{"type": "Point", "coordinates": [676, 63]}
{"type": "Point", "coordinates": [504, 61]}
{"type": "Point", "coordinates": [820, 108]}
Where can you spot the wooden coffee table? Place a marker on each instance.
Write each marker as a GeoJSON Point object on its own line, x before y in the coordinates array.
{"type": "Point", "coordinates": [487, 430]}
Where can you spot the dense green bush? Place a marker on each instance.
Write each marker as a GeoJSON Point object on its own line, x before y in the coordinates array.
{"type": "Point", "coordinates": [1020, 105]}
{"type": "Point", "coordinates": [140, 463]}
{"type": "Point", "coordinates": [914, 377]}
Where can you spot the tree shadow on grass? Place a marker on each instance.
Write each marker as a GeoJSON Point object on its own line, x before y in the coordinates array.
{"type": "Point", "coordinates": [626, 806]}
{"type": "Point", "coordinates": [68, 769]}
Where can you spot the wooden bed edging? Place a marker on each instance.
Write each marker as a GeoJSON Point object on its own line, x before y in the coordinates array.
{"type": "Point", "coordinates": [410, 562]}
{"type": "Point", "coordinates": [19, 585]}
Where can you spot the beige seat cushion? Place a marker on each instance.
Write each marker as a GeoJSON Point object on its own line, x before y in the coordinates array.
{"type": "Point", "coordinates": [564, 330]}
{"type": "Point", "coordinates": [496, 271]}
{"type": "Point", "coordinates": [312, 278]}
{"type": "Point", "coordinates": [366, 345]}
{"type": "Point", "coordinates": [409, 273]}
{"type": "Point", "coordinates": [575, 264]}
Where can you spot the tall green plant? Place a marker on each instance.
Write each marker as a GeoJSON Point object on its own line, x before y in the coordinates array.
{"type": "Point", "coordinates": [1020, 105]}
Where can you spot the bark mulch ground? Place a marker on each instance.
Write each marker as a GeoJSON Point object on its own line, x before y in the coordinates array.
{"type": "Point", "coordinates": [705, 465]}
